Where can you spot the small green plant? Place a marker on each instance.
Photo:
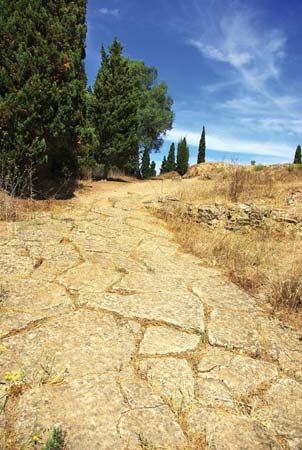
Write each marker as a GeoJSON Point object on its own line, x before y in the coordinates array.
{"type": "Point", "coordinates": [56, 440]}
{"type": "Point", "coordinates": [253, 162]}
{"type": "Point", "coordinates": [292, 167]}
{"type": "Point", "coordinates": [258, 167]}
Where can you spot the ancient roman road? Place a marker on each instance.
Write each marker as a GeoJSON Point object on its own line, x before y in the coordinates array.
{"type": "Point", "coordinates": [110, 331]}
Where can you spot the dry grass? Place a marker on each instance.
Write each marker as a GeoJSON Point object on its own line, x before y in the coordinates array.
{"type": "Point", "coordinates": [265, 263]}
{"type": "Point", "coordinates": [13, 209]}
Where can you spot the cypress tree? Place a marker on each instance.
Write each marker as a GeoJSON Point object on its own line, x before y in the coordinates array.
{"type": "Point", "coordinates": [171, 158]}
{"type": "Point", "coordinates": [202, 147]}
{"type": "Point", "coordinates": [163, 168]}
{"type": "Point", "coordinates": [145, 168]}
{"type": "Point", "coordinates": [153, 169]}
{"type": "Point", "coordinates": [182, 157]}
{"type": "Point", "coordinates": [42, 86]}
{"type": "Point", "coordinates": [298, 156]}
{"type": "Point", "coordinates": [116, 111]}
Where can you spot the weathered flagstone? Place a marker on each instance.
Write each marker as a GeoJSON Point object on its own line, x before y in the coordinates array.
{"type": "Point", "coordinates": [172, 378]}
{"type": "Point", "coordinates": [183, 310]}
{"type": "Point", "coordinates": [161, 340]}
{"type": "Point", "coordinates": [73, 345]}
{"type": "Point", "coordinates": [238, 331]}
{"type": "Point", "coordinates": [282, 411]}
{"type": "Point", "coordinates": [88, 408]}
{"type": "Point", "coordinates": [242, 375]}
{"type": "Point", "coordinates": [236, 433]}
{"type": "Point", "coordinates": [155, 427]}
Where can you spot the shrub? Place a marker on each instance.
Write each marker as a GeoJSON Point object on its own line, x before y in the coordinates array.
{"type": "Point", "coordinates": [56, 440]}
{"type": "Point", "coordinates": [258, 167]}
{"type": "Point", "coordinates": [292, 167]}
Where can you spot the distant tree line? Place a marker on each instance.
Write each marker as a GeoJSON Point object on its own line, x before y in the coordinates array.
{"type": "Point", "coordinates": [51, 125]}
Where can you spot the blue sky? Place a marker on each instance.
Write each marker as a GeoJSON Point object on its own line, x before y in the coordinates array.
{"type": "Point", "coordinates": [233, 66]}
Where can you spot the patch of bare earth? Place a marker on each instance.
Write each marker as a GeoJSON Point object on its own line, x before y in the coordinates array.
{"type": "Point", "coordinates": [112, 334]}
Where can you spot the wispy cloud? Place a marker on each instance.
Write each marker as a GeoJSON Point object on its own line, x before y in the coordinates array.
{"type": "Point", "coordinates": [109, 12]}
{"type": "Point", "coordinates": [239, 41]}
{"type": "Point", "coordinates": [249, 56]}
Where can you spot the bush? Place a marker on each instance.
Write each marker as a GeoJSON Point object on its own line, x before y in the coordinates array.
{"type": "Point", "coordinates": [56, 440]}
{"type": "Point", "coordinates": [292, 167]}
{"type": "Point", "coordinates": [258, 167]}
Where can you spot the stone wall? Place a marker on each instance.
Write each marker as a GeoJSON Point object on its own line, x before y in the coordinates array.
{"type": "Point", "coordinates": [232, 217]}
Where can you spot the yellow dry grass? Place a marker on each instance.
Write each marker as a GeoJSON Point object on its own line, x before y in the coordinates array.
{"type": "Point", "coordinates": [266, 263]}
{"type": "Point", "coordinates": [13, 209]}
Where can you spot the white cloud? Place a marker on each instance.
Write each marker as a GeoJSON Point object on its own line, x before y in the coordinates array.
{"type": "Point", "coordinates": [109, 12]}
{"type": "Point", "coordinates": [255, 53]}
{"type": "Point", "coordinates": [231, 144]}
{"type": "Point", "coordinates": [239, 41]}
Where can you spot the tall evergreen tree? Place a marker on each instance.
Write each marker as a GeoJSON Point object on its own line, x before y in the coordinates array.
{"type": "Point", "coordinates": [298, 156]}
{"type": "Point", "coordinates": [153, 169]}
{"type": "Point", "coordinates": [163, 168]}
{"type": "Point", "coordinates": [171, 158]}
{"type": "Point", "coordinates": [42, 85]}
{"type": "Point", "coordinates": [202, 147]}
{"type": "Point", "coordinates": [116, 111]}
{"type": "Point", "coordinates": [145, 168]}
{"type": "Point", "coordinates": [182, 156]}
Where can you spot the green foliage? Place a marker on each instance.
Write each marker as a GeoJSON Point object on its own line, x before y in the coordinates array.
{"type": "Point", "coordinates": [155, 114]}
{"type": "Point", "coordinates": [298, 156]}
{"type": "Point", "coordinates": [145, 169]}
{"type": "Point", "coordinates": [253, 162]}
{"type": "Point", "coordinates": [152, 169]}
{"type": "Point", "coordinates": [182, 157]}
{"type": "Point", "coordinates": [202, 147]}
{"type": "Point", "coordinates": [163, 168]}
{"type": "Point", "coordinates": [115, 112]}
{"type": "Point", "coordinates": [42, 86]}
{"type": "Point", "coordinates": [171, 159]}
{"type": "Point", "coordinates": [56, 440]}
{"type": "Point", "coordinates": [258, 167]}
{"type": "Point", "coordinates": [292, 167]}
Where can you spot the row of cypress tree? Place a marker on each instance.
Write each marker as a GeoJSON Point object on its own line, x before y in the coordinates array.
{"type": "Point", "coordinates": [181, 162]}
{"type": "Point", "coordinates": [50, 124]}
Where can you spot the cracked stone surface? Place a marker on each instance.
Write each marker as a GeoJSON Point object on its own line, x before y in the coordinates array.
{"type": "Point", "coordinates": [160, 341]}
{"type": "Point", "coordinates": [110, 331]}
{"type": "Point", "coordinates": [172, 378]}
{"type": "Point", "coordinates": [240, 374]}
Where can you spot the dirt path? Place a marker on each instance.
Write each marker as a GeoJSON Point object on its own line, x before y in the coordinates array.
{"type": "Point", "coordinates": [110, 331]}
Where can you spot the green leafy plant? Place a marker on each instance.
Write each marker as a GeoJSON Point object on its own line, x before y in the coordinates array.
{"type": "Point", "coordinates": [56, 440]}
{"type": "Point", "coordinates": [258, 167]}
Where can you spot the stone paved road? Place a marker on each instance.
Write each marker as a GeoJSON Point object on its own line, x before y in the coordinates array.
{"type": "Point", "coordinates": [112, 332]}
